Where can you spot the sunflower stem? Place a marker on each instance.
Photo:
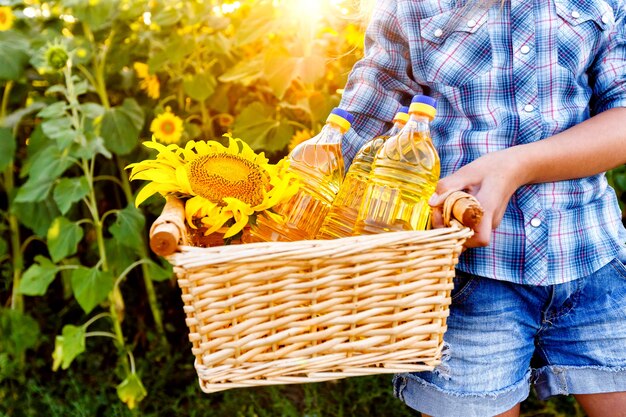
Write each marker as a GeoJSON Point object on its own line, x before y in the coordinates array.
{"type": "Point", "coordinates": [88, 167]}
{"type": "Point", "coordinates": [17, 300]}
{"type": "Point", "coordinates": [145, 272]}
{"type": "Point", "coordinates": [100, 85]}
{"type": "Point", "coordinates": [207, 121]}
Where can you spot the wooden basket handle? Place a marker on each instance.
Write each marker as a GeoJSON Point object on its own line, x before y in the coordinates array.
{"type": "Point", "coordinates": [462, 209]}
{"type": "Point", "coordinates": [169, 230]}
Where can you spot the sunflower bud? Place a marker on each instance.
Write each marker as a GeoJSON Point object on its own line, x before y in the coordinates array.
{"type": "Point", "coordinates": [56, 57]}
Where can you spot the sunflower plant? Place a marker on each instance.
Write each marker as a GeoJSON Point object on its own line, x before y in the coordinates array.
{"type": "Point", "coordinates": [223, 187]}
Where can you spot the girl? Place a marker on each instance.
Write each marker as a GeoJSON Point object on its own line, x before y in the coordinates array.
{"type": "Point", "coordinates": [531, 113]}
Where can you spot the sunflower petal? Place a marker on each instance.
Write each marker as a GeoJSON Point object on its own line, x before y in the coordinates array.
{"type": "Point", "coordinates": [214, 223]}
{"type": "Point", "coordinates": [146, 192]}
{"type": "Point", "coordinates": [192, 207]}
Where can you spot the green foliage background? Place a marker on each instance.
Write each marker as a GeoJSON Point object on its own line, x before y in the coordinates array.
{"type": "Point", "coordinates": [91, 322]}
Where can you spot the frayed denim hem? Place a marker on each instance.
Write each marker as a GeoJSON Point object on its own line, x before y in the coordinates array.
{"type": "Point", "coordinates": [432, 400]}
{"type": "Point", "coordinates": [565, 380]}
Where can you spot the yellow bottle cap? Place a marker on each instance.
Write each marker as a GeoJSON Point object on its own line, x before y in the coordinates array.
{"type": "Point", "coordinates": [423, 108]}
{"type": "Point", "coordinates": [339, 120]}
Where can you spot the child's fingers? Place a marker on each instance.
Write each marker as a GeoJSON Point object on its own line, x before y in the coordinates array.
{"type": "Point", "coordinates": [482, 233]}
{"type": "Point", "coordinates": [436, 218]}
{"type": "Point", "coordinates": [438, 198]}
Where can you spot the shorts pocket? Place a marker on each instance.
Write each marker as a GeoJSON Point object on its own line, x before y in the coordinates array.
{"type": "Point", "coordinates": [464, 285]}
{"type": "Point", "coordinates": [583, 29]}
{"type": "Point", "coordinates": [456, 50]}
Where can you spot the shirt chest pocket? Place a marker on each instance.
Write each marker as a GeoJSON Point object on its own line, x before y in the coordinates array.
{"type": "Point", "coordinates": [583, 29]}
{"type": "Point", "coordinates": [455, 50]}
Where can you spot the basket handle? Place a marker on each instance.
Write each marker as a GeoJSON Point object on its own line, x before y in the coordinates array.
{"type": "Point", "coordinates": [169, 230]}
{"type": "Point", "coordinates": [462, 209]}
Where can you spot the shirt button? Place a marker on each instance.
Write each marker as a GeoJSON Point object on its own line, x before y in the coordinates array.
{"type": "Point", "coordinates": [471, 23]}
{"type": "Point", "coordinates": [575, 14]}
{"type": "Point", "coordinates": [438, 33]}
{"type": "Point", "coordinates": [535, 222]}
{"type": "Point", "coordinates": [605, 19]}
{"type": "Point", "coordinates": [529, 108]}
{"type": "Point", "coordinates": [525, 49]}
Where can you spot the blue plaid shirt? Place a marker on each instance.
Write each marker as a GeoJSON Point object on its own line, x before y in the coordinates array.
{"type": "Point", "coordinates": [505, 76]}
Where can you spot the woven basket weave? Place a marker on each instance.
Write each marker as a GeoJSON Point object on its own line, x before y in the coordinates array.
{"type": "Point", "coordinates": [309, 311]}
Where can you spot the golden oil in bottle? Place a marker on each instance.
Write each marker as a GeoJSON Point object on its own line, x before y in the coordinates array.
{"type": "Point", "coordinates": [318, 163]}
{"type": "Point", "coordinates": [403, 178]}
{"type": "Point", "coordinates": [341, 219]}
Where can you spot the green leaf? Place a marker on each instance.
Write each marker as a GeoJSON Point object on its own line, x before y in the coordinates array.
{"type": "Point", "coordinates": [279, 138]}
{"type": "Point", "coordinates": [56, 89]}
{"type": "Point", "coordinates": [256, 125]}
{"type": "Point", "coordinates": [19, 332]}
{"type": "Point", "coordinates": [245, 72]}
{"type": "Point", "coordinates": [94, 145]}
{"type": "Point", "coordinates": [4, 247]}
{"type": "Point", "coordinates": [68, 346]}
{"type": "Point", "coordinates": [7, 147]}
{"type": "Point", "coordinates": [38, 277]}
{"type": "Point", "coordinates": [158, 272]}
{"type": "Point", "coordinates": [167, 16]}
{"type": "Point", "coordinates": [256, 26]}
{"type": "Point", "coordinates": [16, 117]}
{"type": "Point", "coordinates": [118, 256]}
{"type": "Point", "coordinates": [319, 106]}
{"type": "Point", "coordinates": [280, 71]}
{"type": "Point", "coordinates": [46, 164]}
{"type": "Point", "coordinates": [13, 55]}
{"type": "Point", "coordinates": [97, 15]}
{"type": "Point", "coordinates": [128, 227]}
{"type": "Point", "coordinates": [200, 86]}
{"type": "Point", "coordinates": [92, 110]}
{"type": "Point", "coordinates": [53, 111]}
{"type": "Point", "coordinates": [63, 238]}
{"type": "Point", "coordinates": [33, 190]}
{"type": "Point", "coordinates": [175, 51]}
{"type": "Point", "coordinates": [91, 286]}
{"type": "Point", "coordinates": [36, 216]}
{"type": "Point", "coordinates": [620, 181]}
{"type": "Point", "coordinates": [68, 191]}
{"type": "Point", "coordinates": [121, 126]}
{"type": "Point", "coordinates": [131, 391]}
{"type": "Point", "coordinates": [61, 131]}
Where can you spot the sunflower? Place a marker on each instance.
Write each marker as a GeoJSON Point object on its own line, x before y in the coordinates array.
{"type": "Point", "coordinates": [167, 127]}
{"type": "Point", "coordinates": [6, 18]}
{"type": "Point", "coordinates": [223, 186]}
{"type": "Point", "coordinates": [149, 83]}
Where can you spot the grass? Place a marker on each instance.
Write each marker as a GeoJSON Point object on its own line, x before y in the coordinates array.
{"type": "Point", "coordinates": [87, 390]}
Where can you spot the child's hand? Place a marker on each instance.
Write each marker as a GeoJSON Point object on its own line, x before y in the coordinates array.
{"type": "Point", "coordinates": [492, 179]}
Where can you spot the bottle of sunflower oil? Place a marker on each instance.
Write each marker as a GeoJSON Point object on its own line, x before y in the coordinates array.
{"type": "Point", "coordinates": [404, 176]}
{"type": "Point", "coordinates": [341, 219]}
{"type": "Point", "coordinates": [318, 162]}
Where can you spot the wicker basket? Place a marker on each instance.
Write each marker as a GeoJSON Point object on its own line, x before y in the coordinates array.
{"type": "Point", "coordinates": [309, 311]}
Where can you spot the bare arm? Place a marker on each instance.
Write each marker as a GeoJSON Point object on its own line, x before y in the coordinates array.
{"type": "Point", "coordinates": [591, 147]}
{"type": "Point", "coordinates": [594, 146]}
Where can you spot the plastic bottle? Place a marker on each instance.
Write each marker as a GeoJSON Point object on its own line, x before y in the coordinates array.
{"type": "Point", "coordinates": [341, 219]}
{"type": "Point", "coordinates": [404, 176]}
{"type": "Point", "coordinates": [319, 164]}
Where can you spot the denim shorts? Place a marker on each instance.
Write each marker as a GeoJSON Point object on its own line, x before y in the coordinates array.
{"type": "Point", "coordinates": [502, 337]}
